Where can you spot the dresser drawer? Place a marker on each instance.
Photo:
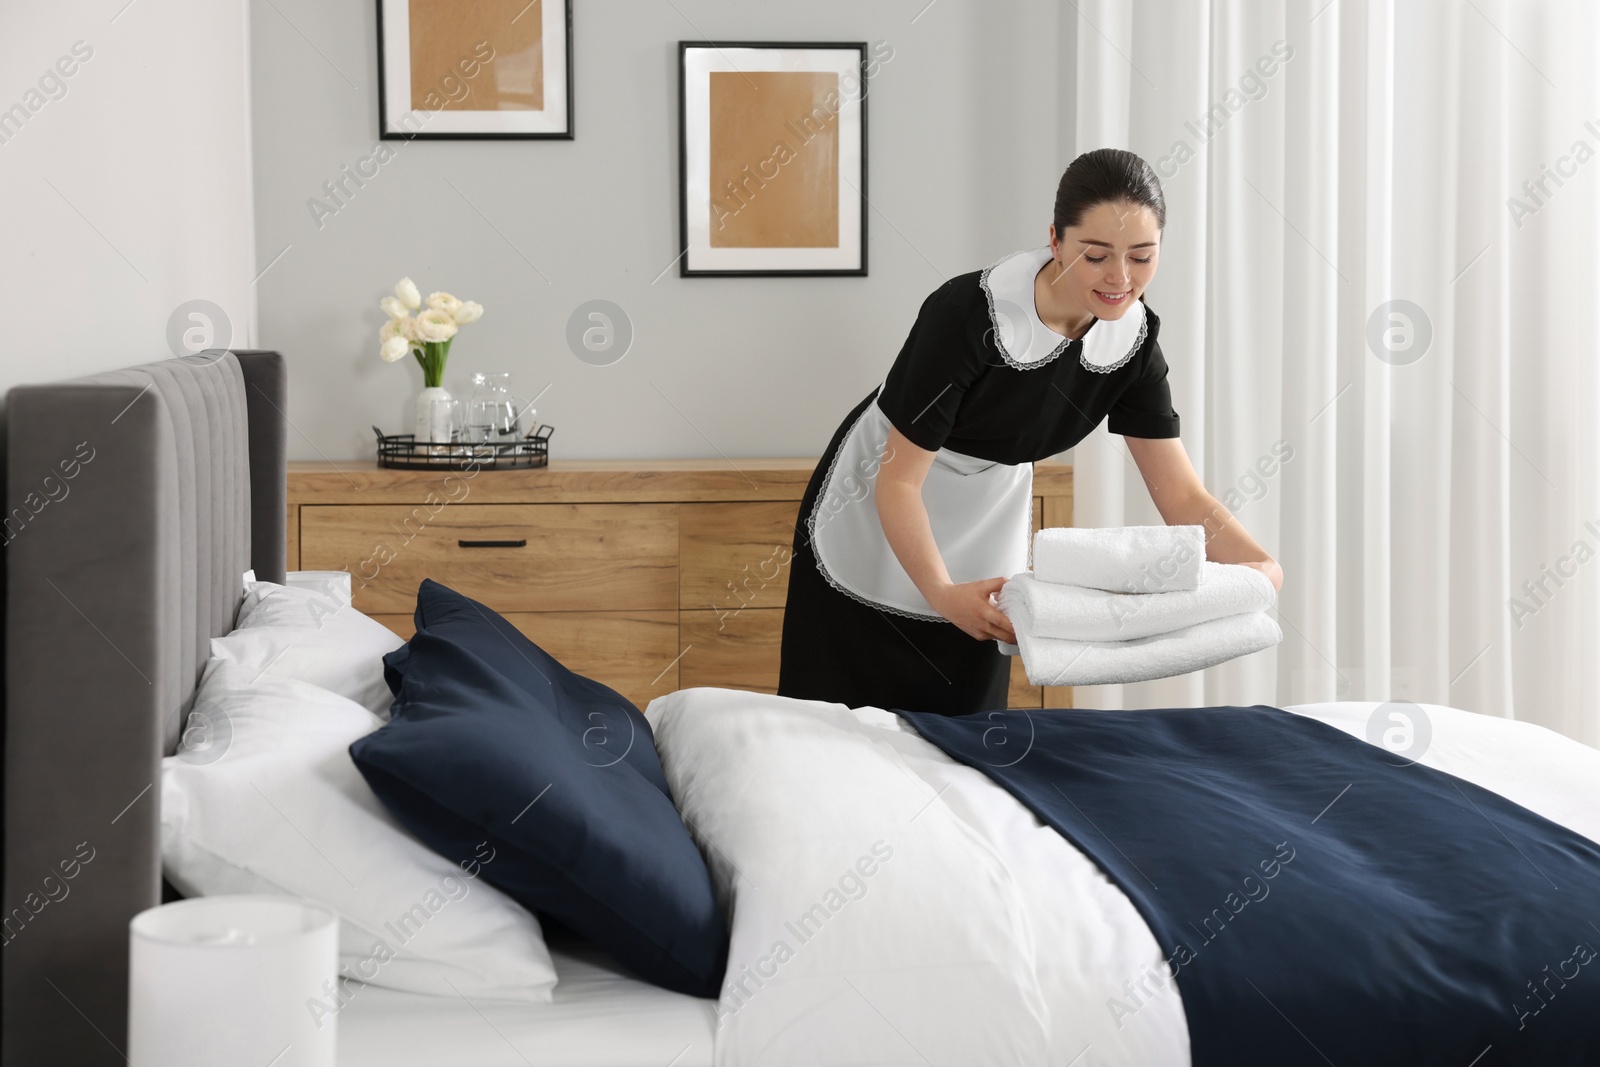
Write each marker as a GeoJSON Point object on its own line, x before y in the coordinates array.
{"type": "Point", "coordinates": [635, 653]}
{"type": "Point", "coordinates": [735, 556]}
{"type": "Point", "coordinates": [731, 650]}
{"type": "Point", "coordinates": [535, 557]}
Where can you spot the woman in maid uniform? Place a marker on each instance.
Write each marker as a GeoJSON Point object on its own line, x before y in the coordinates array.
{"type": "Point", "coordinates": [922, 504]}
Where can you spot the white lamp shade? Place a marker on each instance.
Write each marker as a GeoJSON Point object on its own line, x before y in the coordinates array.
{"type": "Point", "coordinates": [232, 980]}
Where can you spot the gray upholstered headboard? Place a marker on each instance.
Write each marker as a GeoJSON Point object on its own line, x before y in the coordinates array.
{"type": "Point", "coordinates": [134, 502]}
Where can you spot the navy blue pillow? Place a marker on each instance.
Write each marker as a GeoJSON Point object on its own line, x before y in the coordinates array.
{"type": "Point", "coordinates": [605, 719]}
{"type": "Point", "coordinates": [493, 740]}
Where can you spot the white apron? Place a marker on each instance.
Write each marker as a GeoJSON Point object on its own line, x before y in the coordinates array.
{"type": "Point", "coordinates": [981, 513]}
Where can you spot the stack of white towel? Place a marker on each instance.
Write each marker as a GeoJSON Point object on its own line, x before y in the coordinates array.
{"type": "Point", "coordinates": [1129, 604]}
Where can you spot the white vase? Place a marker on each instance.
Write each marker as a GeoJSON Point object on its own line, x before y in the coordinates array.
{"type": "Point", "coordinates": [433, 411]}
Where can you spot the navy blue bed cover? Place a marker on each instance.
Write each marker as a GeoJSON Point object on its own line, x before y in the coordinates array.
{"type": "Point", "coordinates": [1319, 899]}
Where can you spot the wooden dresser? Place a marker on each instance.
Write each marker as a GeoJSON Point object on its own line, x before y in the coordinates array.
{"type": "Point", "coordinates": [647, 575]}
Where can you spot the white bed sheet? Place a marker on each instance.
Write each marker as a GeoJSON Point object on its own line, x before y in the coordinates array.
{"type": "Point", "coordinates": [600, 1017]}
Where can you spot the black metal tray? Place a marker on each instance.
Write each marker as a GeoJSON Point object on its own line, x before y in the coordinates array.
{"type": "Point", "coordinates": [402, 451]}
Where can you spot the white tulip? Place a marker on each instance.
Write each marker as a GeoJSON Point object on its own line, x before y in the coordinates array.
{"type": "Point", "coordinates": [406, 290]}
{"type": "Point", "coordinates": [434, 325]}
{"type": "Point", "coordinates": [469, 311]}
{"type": "Point", "coordinates": [443, 302]}
{"type": "Point", "coordinates": [394, 349]}
{"type": "Point", "coordinates": [407, 328]}
{"type": "Point", "coordinates": [390, 329]}
{"type": "Point", "coordinates": [392, 307]}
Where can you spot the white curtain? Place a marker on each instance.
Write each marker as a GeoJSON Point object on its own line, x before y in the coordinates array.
{"type": "Point", "coordinates": [1427, 472]}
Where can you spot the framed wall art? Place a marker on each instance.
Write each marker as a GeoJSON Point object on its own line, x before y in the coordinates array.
{"type": "Point", "coordinates": [490, 70]}
{"type": "Point", "coordinates": [772, 159]}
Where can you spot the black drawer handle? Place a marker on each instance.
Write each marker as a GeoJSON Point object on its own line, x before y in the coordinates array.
{"type": "Point", "coordinates": [519, 543]}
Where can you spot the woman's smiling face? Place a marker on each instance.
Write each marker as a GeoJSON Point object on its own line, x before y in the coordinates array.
{"type": "Point", "coordinates": [1106, 261]}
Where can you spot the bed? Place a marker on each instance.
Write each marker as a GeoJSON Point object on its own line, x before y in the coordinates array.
{"type": "Point", "coordinates": [389, 1028]}
{"type": "Point", "coordinates": [925, 914]}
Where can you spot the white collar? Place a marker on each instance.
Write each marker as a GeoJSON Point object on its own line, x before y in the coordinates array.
{"type": "Point", "coordinates": [1023, 338]}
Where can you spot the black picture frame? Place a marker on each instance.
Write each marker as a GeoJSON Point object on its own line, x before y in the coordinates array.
{"type": "Point", "coordinates": [386, 134]}
{"type": "Point", "coordinates": [685, 269]}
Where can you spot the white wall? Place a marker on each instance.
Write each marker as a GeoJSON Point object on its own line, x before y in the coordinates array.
{"type": "Point", "coordinates": [125, 187]}
{"type": "Point", "coordinates": [963, 154]}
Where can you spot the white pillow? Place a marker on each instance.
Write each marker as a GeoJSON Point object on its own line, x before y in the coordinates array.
{"type": "Point", "coordinates": [263, 797]}
{"type": "Point", "coordinates": [309, 634]}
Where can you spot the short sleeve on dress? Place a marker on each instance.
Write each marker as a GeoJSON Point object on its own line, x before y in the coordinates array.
{"type": "Point", "coordinates": [1145, 407]}
{"type": "Point", "coordinates": [932, 373]}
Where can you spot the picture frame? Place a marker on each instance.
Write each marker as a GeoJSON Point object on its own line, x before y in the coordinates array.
{"type": "Point", "coordinates": [436, 58]}
{"type": "Point", "coordinates": [772, 154]}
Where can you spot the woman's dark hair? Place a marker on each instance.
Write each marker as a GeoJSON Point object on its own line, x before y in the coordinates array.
{"type": "Point", "coordinates": [1107, 175]}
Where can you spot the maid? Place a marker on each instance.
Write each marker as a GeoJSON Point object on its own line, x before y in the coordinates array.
{"type": "Point", "coordinates": [922, 505]}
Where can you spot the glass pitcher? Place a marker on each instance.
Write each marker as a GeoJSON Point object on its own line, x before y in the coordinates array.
{"type": "Point", "coordinates": [492, 411]}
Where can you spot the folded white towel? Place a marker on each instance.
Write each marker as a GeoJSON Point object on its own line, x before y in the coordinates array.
{"type": "Point", "coordinates": [1052, 661]}
{"type": "Point", "coordinates": [1121, 559]}
{"type": "Point", "coordinates": [1074, 613]}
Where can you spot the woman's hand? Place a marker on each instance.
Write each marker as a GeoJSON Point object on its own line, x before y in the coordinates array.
{"type": "Point", "coordinates": [967, 605]}
{"type": "Point", "coordinates": [905, 525]}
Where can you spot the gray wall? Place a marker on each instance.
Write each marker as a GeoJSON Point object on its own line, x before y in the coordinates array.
{"type": "Point", "coordinates": [965, 125]}
{"type": "Point", "coordinates": [125, 184]}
